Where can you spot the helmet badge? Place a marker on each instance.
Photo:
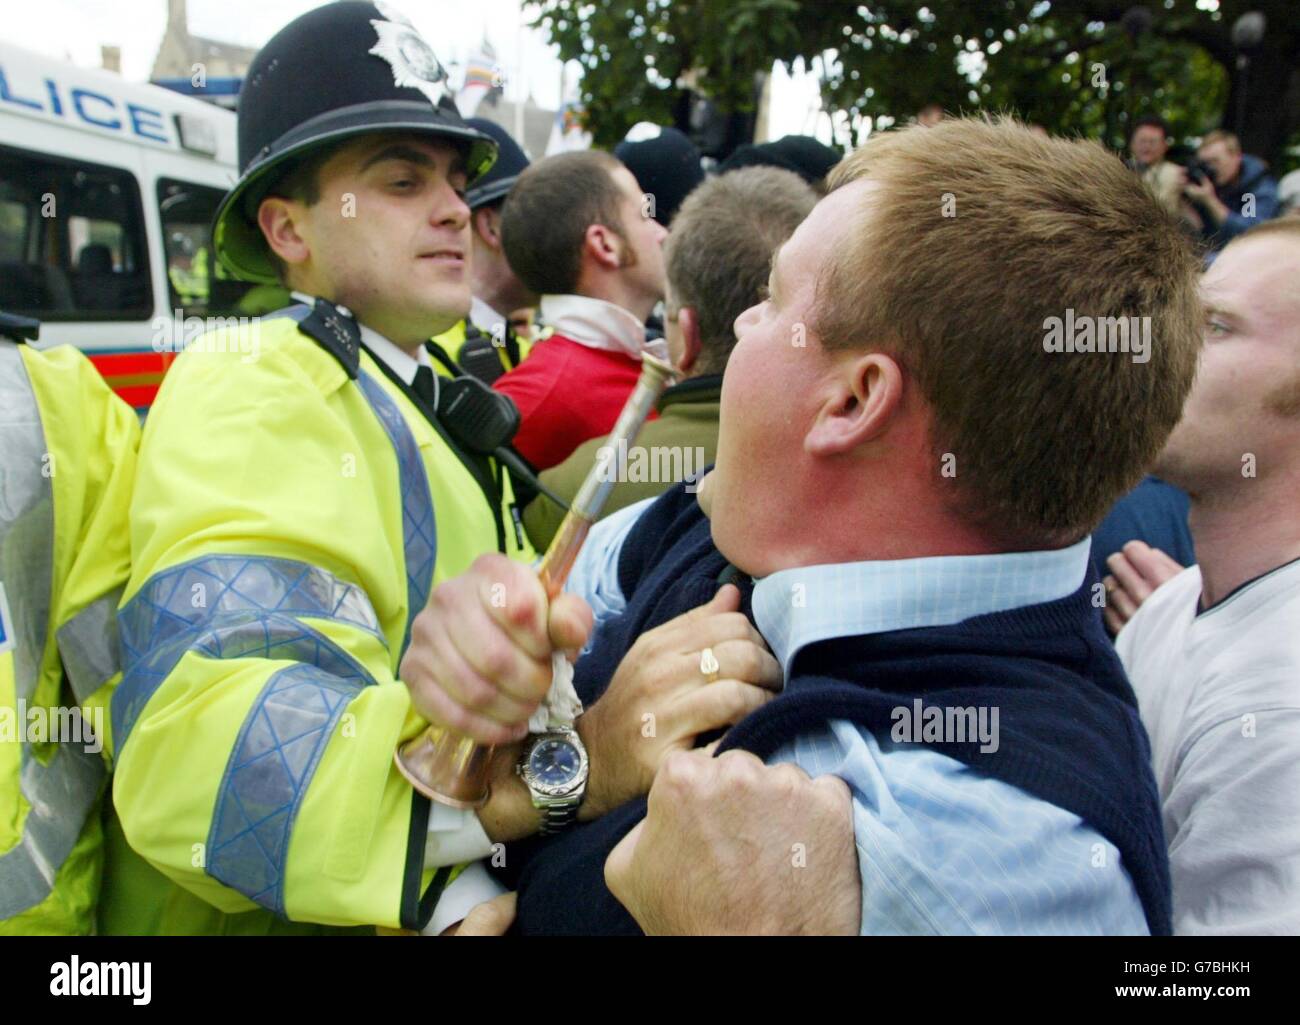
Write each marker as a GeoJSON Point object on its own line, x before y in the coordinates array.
{"type": "Point", "coordinates": [413, 61]}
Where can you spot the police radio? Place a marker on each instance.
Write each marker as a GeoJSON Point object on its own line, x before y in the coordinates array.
{"type": "Point", "coordinates": [478, 418]}
{"type": "Point", "coordinates": [484, 421]}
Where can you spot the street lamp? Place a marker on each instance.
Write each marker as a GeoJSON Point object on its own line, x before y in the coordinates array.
{"type": "Point", "coordinates": [1247, 35]}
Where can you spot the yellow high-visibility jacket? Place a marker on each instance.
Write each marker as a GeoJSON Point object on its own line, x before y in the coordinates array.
{"type": "Point", "coordinates": [452, 341]}
{"type": "Point", "coordinates": [288, 522]}
{"type": "Point", "coordinates": [67, 458]}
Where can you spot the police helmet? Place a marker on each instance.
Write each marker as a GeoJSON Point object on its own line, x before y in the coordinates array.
{"type": "Point", "coordinates": [345, 69]}
{"type": "Point", "coordinates": [511, 163]}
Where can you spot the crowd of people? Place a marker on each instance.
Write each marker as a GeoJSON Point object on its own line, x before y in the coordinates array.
{"type": "Point", "coordinates": [929, 626]}
{"type": "Point", "coordinates": [1217, 195]}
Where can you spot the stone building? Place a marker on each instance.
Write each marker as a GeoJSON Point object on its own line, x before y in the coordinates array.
{"type": "Point", "coordinates": [180, 51]}
{"type": "Point", "coordinates": [537, 122]}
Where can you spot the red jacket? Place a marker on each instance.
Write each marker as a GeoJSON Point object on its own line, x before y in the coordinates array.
{"type": "Point", "coordinates": [566, 392]}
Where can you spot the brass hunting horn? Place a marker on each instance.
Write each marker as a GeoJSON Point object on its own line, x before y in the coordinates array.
{"type": "Point", "coordinates": [451, 768]}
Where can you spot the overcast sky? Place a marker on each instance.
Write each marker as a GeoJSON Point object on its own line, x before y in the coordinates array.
{"type": "Point", "coordinates": [76, 29]}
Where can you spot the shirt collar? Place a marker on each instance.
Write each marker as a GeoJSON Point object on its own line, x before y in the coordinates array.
{"type": "Point", "coordinates": [705, 388]}
{"type": "Point", "coordinates": [397, 360]}
{"type": "Point", "coordinates": [598, 324]}
{"type": "Point", "coordinates": [797, 607]}
{"type": "Point", "coordinates": [486, 318]}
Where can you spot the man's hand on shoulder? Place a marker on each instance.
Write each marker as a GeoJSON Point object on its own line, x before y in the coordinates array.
{"type": "Point", "coordinates": [730, 846]}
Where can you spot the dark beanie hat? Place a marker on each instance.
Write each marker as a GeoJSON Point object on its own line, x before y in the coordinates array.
{"type": "Point", "coordinates": [667, 167]}
{"type": "Point", "coordinates": [802, 154]}
{"type": "Point", "coordinates": [501, 178]}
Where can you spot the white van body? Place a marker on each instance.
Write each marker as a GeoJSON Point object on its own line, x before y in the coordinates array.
{"type": "Point", "coordinates": [84, 148]}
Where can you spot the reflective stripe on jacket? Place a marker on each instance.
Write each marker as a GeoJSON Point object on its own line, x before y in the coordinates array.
{"type": "Point", "coordinates": [287, 524]}
{"type": "Point", "coordinates": [67, 457]}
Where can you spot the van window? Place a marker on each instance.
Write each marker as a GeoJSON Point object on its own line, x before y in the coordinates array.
{"type": "Point", "coordinates": [13, 230]}
{"type": "Point", "coordinates": [72, 242]}
{"type": "Point", "coordinates": [197, 282]}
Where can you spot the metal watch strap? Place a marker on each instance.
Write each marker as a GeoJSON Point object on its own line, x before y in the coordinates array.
{"type": "Point", "coordinates": [557, 815]}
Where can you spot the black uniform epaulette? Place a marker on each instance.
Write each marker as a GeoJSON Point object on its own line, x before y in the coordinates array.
{"type": "Point", "coordinates": [20, 329]}
{"type": "Point", "coordinates": [337, 332]}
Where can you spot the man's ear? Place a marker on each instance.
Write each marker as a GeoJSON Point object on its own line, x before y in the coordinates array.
{"type": "Point", "coordinates": [603, 247]}
{"type": "Point", "coordinates": [486, 221]}
{"type": "Point", "coordinates": [866, 392]}
{"type": "Point", "coordinates": [276, 217]}
{"type": "Point", "coordinates": [688, 322]}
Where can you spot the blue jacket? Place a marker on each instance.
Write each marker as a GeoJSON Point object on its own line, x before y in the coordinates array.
{"type": "Point", "coordinates": [1254, 180]}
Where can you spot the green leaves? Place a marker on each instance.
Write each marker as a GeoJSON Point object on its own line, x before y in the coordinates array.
{"type": "Point", "coordinates": [890, 58]}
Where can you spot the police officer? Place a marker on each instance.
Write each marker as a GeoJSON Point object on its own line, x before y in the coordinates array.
{"type": "Point", "coordinates": [485, 344]}
{"type": "Point", "coordinates": [67, 457]}
{"type": "Point", "coordinates": [299, 496]}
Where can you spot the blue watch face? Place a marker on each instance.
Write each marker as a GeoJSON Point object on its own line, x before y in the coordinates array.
{"type": "Point", "coordinates": [554, 762]}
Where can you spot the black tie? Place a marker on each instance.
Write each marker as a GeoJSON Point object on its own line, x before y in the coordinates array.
{"type": "Point", "coordinates": [423, 387]}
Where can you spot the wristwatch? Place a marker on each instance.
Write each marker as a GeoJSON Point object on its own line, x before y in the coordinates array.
{"type": "Point", "coordinates": [554, 768]}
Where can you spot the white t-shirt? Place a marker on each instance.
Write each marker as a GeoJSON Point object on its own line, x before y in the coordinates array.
{"type": "Point", "coordinates": [1219, 693]}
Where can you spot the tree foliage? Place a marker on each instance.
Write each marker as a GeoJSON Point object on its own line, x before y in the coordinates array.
{"type": "Point", "coordinates": [1075, 67]}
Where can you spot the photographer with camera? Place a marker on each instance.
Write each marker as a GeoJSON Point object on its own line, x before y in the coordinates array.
{"type": "Point", "coordinates": [1232, 191]}
{"type": "Point", "coordinates": [1149, 146]}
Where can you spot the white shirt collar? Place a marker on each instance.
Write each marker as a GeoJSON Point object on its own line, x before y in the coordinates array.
{"type": "Point", "coordinates": [486, 318]}
{"type": "Point", "coordinates": [797, 607]}
{"type": "Point", "coordinates": [598, 324]}
{"type": "Point", "coordinates": [398, 360]}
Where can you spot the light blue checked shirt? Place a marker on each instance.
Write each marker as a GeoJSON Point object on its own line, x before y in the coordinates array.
{"type": "Point", "coordinates": [941, 847]}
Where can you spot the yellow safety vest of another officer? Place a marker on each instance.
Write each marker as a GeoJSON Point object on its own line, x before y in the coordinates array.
{"type": "Point", "coordinates": [292, 511]}
{"type": "Point", "coordinates": [67, 458]}
{"type": "Point", "coordinates": [469, 347]}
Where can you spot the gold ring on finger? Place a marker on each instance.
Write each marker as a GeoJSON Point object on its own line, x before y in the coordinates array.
{"type": "Point", "coordinates": [709, 665]}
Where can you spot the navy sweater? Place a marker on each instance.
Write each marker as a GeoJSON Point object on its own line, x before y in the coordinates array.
{"type": "Point", "coordinates": [1069, 728]}
{"type": "Point", "coordinates": [1154, 512]}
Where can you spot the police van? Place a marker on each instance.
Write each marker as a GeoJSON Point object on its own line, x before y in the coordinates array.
{"type": "Point", "coordinates": [107, 193]}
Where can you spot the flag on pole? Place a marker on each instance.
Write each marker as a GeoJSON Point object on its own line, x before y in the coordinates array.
{"type": "Point", "coordinates": [567, 132]}
{"type": "Point", "coordinates": [482, 77]}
